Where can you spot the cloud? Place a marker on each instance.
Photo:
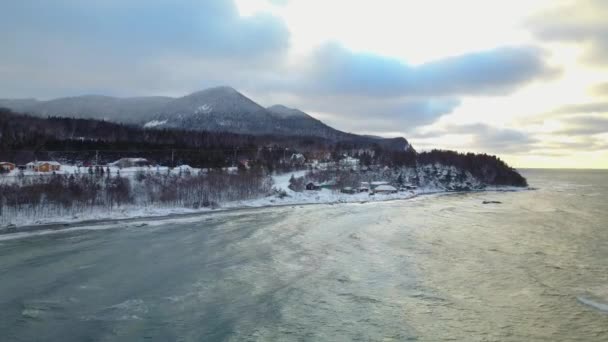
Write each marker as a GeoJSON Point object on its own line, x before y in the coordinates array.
{"type": "Point", "coordinates": [582, 143]}
{"type": "Point", "coordinates": [165, 47]}
{"type": "Point", "coordinates": [583, 21]}
{"type": "Point", "coordinates": [201, 28]}
{"type": "Point", "coordinates": [593, 107]}
{"type": "Point", "coordinates": [119, 45]}
{"type": "Point", "coordinates": [376, 116]}
{"type": "Point", "coordinates": [338, 70]}
{"type": "Point", "coordinates": [585, 125]}
{"type": "Point", "coordinates": [374, 93]}
{"type": "Point", "coordinates": [279, 2]}
{"type": "Point", "coordinates": [485, 138]}
{"type": "Point", "coordinates": [600, 89]}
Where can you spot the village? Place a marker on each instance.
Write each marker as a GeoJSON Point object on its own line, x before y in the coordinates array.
{"type": "Point", "coordinates": [64, 190]}
{"type": "Point", "coordinates": [136, 166]}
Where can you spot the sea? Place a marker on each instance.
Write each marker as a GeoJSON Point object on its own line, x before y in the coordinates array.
{"type": "Point", "coordinates": [528, 265]}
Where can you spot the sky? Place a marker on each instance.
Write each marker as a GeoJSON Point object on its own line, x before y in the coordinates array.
{"type": "Point", "coordinates": [526, 80]}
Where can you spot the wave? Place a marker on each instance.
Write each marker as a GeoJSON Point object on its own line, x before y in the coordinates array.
{"type": "Point", "coordinates": [597, 305]}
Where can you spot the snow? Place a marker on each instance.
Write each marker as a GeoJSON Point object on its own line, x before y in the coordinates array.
{"type": "Point", "coordinates": [204, 109]}
{"type": "Point", "coordinates": [155, 123]}
{"type": "Point", "coordinates": [129, 172]}
{"type": "Point", "coordinates": [385, 188]}
{"type": "Point", "coordinates": [281, 185]}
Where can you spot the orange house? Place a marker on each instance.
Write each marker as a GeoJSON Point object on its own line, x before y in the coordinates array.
{"type": "Point", "coordinates": [6, 166]}
{"type": "Point", "coordinates": [43, 166]}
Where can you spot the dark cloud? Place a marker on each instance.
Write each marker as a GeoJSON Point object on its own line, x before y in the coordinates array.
{"type": "Point", "coordinates": [379, 115]}
{"type": "Point", "coordinates": [210, 28]}
{"type": "Point", "coordinates": [67, 47]}
{"type": "Point", "coordinates": [580, 22]}
{"type": "Point", "coordinates": [337, 70]}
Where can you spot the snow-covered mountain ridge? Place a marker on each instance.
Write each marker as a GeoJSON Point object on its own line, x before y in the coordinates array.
{"type": "Point", "coordinates": [213, 109]}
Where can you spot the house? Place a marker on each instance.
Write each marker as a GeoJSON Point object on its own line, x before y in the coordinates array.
{"type": "Point", "coordinates": [43, 166]}
{"type": "Point", "coordinates": [328, 185]}
{"type": "Point", "coordinates": [348, 190]}
{"type": "Point", "coordinates": [376, 184]}
{"type": "Point", "coordinates": [385, 189]}
{"type": "Point", "coordinates": [298, 158]}
{"type": "Point", "coordinates": [409, 187]}
{"type": "Point", "coordinates": [7, 167]}
{"type": "Point", "coordinates": [130, 162]}
{"type": "Point", "coordinates": [313, 186]}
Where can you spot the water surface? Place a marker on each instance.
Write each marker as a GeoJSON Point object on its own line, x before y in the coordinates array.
{"type": "Point", "coordinates": [533, 268]}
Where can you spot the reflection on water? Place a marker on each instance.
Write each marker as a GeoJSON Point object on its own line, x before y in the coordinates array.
{"type": "Point", "coordinates": [435, 268]}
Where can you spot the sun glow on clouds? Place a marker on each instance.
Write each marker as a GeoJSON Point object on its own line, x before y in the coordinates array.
{"type": "Point", "coordinates": [415, 31]}
{"type": "Point", "coordinates": [418, 32]}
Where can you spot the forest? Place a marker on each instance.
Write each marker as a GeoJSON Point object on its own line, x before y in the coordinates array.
{"type": "Point", "coordinates": [24, 138]}
{"type": "Point", "coordinates": [57, 195]}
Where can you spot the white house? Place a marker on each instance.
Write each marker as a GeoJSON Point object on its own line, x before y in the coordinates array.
{"type": "Point", "coordinates": [130, 162]}
{"type": "Point", "coordinates": [376, 184]}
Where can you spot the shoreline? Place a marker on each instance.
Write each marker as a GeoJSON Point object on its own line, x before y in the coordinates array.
{"type": "Point", "coordinates": [183, 213]}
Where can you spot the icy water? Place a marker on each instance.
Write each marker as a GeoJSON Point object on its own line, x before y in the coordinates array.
{"type": "Point", "coordinates": [534, 268]}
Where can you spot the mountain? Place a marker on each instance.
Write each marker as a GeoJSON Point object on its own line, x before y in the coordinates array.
{"type": "Point", "coordinates": [216, 109]}
{"type": "Point", "coordinates": [132, 110]}
{"type": "Point", "coordinates": [300, 123]}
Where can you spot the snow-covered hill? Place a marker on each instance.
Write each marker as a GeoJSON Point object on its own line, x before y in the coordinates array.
{"type": "Point", "coordinates": [215, 109]}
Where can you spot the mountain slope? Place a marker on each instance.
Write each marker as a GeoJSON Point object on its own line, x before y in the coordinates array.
{"type": "Point", "coordinates": [215, 109]}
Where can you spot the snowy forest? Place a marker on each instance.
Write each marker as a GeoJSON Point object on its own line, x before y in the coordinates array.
{"type": "Point", "coordinates": [229, 167]}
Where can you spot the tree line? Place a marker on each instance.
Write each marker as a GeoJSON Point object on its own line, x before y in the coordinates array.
{"type": "Point", "coordinates": [24, 138]}
{"type": "Point", "coordinates": [56, 195]}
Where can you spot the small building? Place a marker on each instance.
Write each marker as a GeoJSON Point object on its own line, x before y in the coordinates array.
{"type": "Point", "coordinates": [328, 185]}
{"type": "Point", "coordinates": [385, 189]}
{"type": "Point", "coordinates": [376, 184]}
{"type": "Point", "coordinates": [364, 187]}
{"type": "Point", "coordinates": [348, 190]}
{"type": "Point", "coordinates": [298, 158]}
{"type": "Point", "coordinates": [409, 187]}
{"type": "Point", "coordinates": [7, 167]}
{"type": "Point", "coordinates": [130, 162]}
{"type": "Point", "coordinates": [313, 186]}
{"type": "Point", "coordinates": [43, 166]}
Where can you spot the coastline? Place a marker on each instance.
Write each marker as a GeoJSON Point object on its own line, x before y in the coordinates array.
{"type": "Point", "coordinates": [138, 216]}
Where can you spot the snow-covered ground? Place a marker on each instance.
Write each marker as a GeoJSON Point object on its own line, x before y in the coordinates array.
{"type": "Point", "coordinates": [281, 183]}
{"type": "Point", "coordinates": [114, 170]}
